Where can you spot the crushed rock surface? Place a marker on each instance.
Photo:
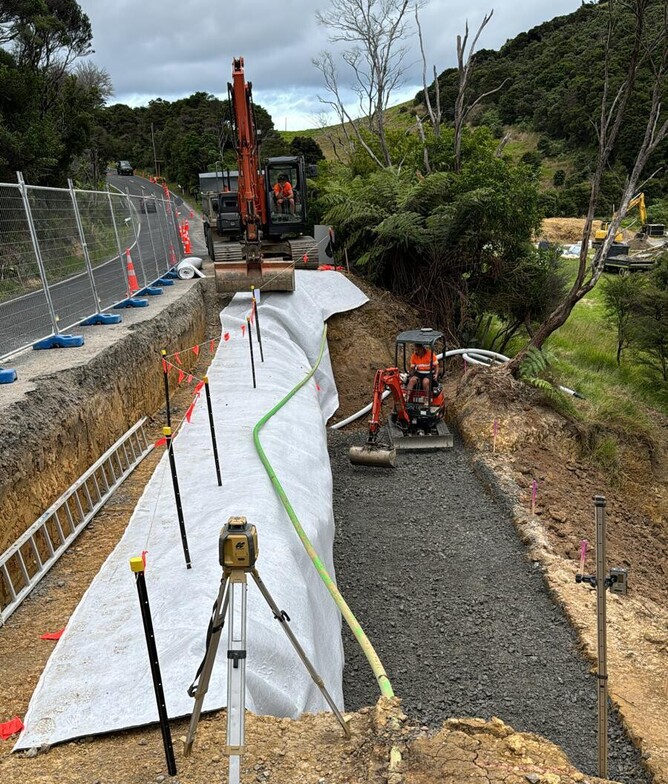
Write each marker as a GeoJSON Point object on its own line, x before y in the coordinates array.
{"type": "Point", "coordinates": [434, 570]}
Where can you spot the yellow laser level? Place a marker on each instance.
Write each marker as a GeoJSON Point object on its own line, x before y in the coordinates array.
{"type": "Point", "coordinates": [237, 545]}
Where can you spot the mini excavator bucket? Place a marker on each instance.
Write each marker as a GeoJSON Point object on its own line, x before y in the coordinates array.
{"type": "Point", "coordinates": [373, 455]}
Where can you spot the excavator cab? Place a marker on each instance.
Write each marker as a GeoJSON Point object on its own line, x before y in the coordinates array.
{"type": "Point", "coordinates": [424, 408]}
{"type": "Point", "coordinates": [287, 206]}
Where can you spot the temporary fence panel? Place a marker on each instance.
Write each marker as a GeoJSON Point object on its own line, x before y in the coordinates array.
{"type": "Point", "coordinates": [106, 257]}
{"type": "Point", "coordinates": [62, 253]}
{"type": "Point", "coordinates": [24, 313]}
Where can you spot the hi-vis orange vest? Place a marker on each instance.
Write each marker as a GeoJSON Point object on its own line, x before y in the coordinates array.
{"type": "Point", "coordinates": [284, 190]}
{"type": "Point", "coordinates": [424, 363]}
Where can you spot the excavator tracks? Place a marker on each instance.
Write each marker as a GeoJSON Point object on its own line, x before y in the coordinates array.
{"type": "Point", "coordinates": [304, 253]}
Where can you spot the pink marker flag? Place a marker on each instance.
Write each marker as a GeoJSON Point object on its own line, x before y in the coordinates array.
{"type": "Point", "coordinates": [583, 555]}
{"type": "Point", "coordinates": [196, 350]}
{"type": "Point", "coordinates": [226, 336]}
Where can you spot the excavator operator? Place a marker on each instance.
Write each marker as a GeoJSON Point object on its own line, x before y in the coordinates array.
{"type": "Point", "coordinates": [283, 193]}
{"type": "Point", "coordinates": [423, 369]}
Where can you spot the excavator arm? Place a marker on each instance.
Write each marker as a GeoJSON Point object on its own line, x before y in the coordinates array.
{"type": "Point", "coordinates": [252, 202]}
{"type": "Point", "coordinates": [639, 202]}
{"type": "Point", "coordinates": [386, 379]}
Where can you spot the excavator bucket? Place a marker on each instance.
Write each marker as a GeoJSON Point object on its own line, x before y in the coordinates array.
{"type": "Point", "coordinates": [373, 456]}
{"type": "Point", "coordinates": [271, 275]}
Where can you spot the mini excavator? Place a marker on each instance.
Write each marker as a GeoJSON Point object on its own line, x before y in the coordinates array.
{"type": "Point", "coordinates": [416, 422]}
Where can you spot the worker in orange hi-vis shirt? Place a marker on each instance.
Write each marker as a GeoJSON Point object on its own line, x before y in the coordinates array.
{"type": "Point", "coordinates": [283, 193]}
{"type": "Point", "coordinates": [423, 369]}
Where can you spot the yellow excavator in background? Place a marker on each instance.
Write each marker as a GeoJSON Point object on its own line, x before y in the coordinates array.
{"type": "Point", "coordinates": [637, 201]}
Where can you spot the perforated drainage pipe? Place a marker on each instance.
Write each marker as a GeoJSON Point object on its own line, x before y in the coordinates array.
{"type": "Point", "coordinates": [346, 612]}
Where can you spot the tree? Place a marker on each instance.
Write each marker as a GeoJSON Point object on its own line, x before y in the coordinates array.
{"type": "Point", "coordinates": [444, 241]}
{"type": "Point", "coordinates": [47, 111]}
{"type": "Point", "coordinates": [308, 148]}
{"type": "Point", "coordinates": [649, 46]}
{"type": "Point", "coordinates": [648, 329]}
{"type": "Point", "coordinates": [464, 66]}
{"type": "Point", "coordinates": [619, 297]}
{"type": "Point", "coordinates": [648, 320]}
{"type": "Point", "coordinates": [375, 30]}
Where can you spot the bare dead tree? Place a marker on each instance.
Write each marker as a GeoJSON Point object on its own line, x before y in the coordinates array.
{"type": "Point", "coordinates": [423, 139]}
{"type": "Point", "coordinates": [464, 67]}
{"type": "Point", "coordinates": [652, 50]}
{"type": "Point", "coordinates": [375, 30]}
{"type": "Point", "coordinates": [325, 64]}
{"type": "Point", "coordinates": [433, 112]}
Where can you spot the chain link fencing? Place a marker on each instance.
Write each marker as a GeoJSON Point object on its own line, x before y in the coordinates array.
{"type": "Point", "coordinates": [65, 252]}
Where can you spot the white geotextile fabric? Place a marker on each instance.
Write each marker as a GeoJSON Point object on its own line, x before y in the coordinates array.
{"type": "Point", "coordinates": [98, 678]}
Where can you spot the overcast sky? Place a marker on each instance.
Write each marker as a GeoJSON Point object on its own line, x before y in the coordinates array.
{"type": "Point", "coordinates": [162, 49]}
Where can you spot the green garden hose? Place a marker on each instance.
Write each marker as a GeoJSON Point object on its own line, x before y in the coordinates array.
{"type": "Point", "coordinates": [353, 623]}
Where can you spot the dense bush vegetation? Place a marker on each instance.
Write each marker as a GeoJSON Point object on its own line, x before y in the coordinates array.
{"type": "Point", "coordinates": [554, 85]}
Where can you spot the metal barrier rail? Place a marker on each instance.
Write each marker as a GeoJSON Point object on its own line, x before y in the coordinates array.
{"type": "Point", "coordinates": [25, 562]}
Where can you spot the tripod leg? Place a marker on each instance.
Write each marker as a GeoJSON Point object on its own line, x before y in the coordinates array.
{"type": "Point", "coordinates": [282, 617]}
{"type": "Point", "coordinates": [236, 673]}
{"type": "Point", "coordinates": [216, 627]}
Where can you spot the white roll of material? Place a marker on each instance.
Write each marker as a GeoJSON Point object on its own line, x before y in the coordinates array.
{"type": "Point", "coordinates": [186, 271]}
{"type": "Point", "coordinates": [196, 261]}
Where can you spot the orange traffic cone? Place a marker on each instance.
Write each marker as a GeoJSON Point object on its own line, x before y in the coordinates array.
{"type": "Point", "coordinates": [133, 283]}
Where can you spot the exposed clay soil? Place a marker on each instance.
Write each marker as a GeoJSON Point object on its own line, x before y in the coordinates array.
{"type": "Point", "coordinates": [533, 443]}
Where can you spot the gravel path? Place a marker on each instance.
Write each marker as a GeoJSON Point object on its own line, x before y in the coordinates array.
{"type": "Point", "coordinates": [433, 568]}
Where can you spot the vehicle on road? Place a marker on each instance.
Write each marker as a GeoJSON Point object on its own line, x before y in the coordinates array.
{"type": "Point", "coordinates": [124, 167]}
{"type": "Point", "coordinates": [147, 204]}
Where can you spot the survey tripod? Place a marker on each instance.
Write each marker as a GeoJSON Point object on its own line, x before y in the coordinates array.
{"type": "Point", "coordinates": [238, 551]}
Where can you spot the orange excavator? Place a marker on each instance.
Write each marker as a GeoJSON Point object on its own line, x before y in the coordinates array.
{"type": "Point", "coordinates": [416, 421]}
{"type": "Point", "coordinates": [263, 242]}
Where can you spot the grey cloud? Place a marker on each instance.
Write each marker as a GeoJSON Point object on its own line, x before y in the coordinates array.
{"type": "Point", "coordinates": [158, 48]}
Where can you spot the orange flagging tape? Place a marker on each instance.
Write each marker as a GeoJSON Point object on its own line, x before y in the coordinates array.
{"type": "Point", "coordinates": [10, 728]}
{"type": "Point", "coordinates": [52, 635]}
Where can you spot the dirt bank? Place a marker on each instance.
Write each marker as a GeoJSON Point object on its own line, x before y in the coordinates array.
{"type": "Point", "coordinates": [57, 429]}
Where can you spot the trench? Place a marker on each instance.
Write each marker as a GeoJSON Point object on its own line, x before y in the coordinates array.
{"type": "Point", "coordinates": [427, 559]}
